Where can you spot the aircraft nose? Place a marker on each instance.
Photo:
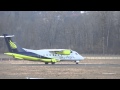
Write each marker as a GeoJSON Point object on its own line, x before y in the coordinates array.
{"type": "Point", "coordinates": [82, 58]}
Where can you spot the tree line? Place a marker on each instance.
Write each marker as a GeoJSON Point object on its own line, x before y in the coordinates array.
{"type": "Point", "coordinates": [91, 32]}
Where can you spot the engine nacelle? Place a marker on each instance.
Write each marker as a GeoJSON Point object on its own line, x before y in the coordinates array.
{"type": "Point", "coordinates": [64, 52]}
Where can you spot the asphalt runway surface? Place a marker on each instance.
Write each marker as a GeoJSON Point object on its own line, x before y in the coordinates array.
{"type": "Point", "coordinates": [72, 65]}
{"type": "Point", "coordinates": [86, 69]}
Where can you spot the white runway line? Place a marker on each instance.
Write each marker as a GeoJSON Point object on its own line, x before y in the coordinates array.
{"type": "Point", "coordinates": [33, 78]}
{"type": "Point", "coordinates": [102, 57]}
{"type": "Point", "coordinates": [108, 73]}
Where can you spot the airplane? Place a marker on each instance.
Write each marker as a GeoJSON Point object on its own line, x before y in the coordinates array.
{"type": "Point", "coordinates": [44, 55]}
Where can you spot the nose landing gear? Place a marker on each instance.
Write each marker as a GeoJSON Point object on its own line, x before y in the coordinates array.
{"type": "Point", "coordinates": [77, 62]}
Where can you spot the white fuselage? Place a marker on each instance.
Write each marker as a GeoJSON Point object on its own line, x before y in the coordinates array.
{"type": "Point", "coordinates": [74, 56]}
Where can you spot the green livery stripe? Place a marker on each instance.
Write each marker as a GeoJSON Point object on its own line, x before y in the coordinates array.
{"type": "Point", "coordinates": [12, 45]}
{"type": "Point", "coordinates": [25, 57]}
{"type": "Point", "coordinates": [49, 60]}
{"type": "Point", "coordinates": [18, 58]}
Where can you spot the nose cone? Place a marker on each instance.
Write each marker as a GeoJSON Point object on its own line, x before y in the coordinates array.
{"type": "Point", "coordinates": [82, 58]}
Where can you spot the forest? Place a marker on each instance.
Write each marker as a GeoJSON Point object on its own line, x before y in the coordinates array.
{"type": "Point", "coordinates": [87, 32]}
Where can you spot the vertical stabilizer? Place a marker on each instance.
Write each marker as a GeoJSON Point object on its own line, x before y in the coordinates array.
{"type": "Point", "coordinates": [12, 46]}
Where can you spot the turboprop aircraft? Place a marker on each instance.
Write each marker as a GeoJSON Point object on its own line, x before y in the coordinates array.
{"type": "Point", "coordinates": [44, 55]}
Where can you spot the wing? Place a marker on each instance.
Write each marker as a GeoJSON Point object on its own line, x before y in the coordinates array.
{"type": "Point", "coordinates": [62, 52]}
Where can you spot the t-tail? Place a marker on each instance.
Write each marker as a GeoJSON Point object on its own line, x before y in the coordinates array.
{"type": "Point", "coordinates": [12, 46]}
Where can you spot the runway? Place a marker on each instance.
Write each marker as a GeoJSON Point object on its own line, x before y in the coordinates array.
{"type": "Point", "coordinates": [70, 65]}
{"type": "Point", "coordinates": [87, 69]}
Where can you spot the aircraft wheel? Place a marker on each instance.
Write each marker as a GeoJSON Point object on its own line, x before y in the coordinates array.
{"type": "Point", "coordinates": [46, 62]}
{"type": "Point", "coordinates": [53, 62]}
{"type": "Point", "coordinates": [77, 63]}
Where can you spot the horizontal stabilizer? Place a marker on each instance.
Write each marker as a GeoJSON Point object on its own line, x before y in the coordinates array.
{"type": "Point", "coordinates": [7, 36]}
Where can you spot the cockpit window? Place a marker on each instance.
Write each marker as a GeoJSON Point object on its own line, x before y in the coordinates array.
{"type": "Point", "coordinates": [76, 53]}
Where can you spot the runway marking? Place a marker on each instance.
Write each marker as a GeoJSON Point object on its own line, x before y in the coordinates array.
{"type": "Point", "coordinates": [108, 73]}
{"type": "Point", "coordinates": [102, 57]}
{"type": "Point", "coordinates": [33, 78]}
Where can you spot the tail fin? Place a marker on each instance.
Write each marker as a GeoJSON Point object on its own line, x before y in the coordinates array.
{"type": "Point", "coordinates": [12, 47]}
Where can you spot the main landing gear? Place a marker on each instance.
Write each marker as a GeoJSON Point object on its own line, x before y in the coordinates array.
{"type": "Point", "coordinates": [51, 63]}
{"type": "Point", "coordinates": [46, 62]}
